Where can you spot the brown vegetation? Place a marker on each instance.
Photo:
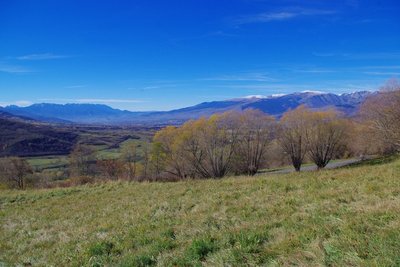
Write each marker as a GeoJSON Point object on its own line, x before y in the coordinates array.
{"type": "Point", "coordinates": [14, 171]}
{"type": "Point", "coordinates": [293, 135]}
{"type": "Point", "coordinates": [325, 138]}
{"type": "Point", "coordinates": [381, 113]}
{"type": "Point", "coordinates": [81, 159]}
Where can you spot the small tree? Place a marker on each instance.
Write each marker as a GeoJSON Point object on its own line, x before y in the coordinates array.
{"type": "Point", "coordinates": [111, 168]}
{"type": "Point", "coordinates": [81, 159]}
{"type": "Point", "coordinates": [14, 171]}
{"type": "Point", "coordinates": [157, 158]}
{"type": "Point", "coordinates": [144, 167]}
{"type": "Point", "coordinates": [130, 157]}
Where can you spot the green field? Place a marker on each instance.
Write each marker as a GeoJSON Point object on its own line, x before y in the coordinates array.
{"type": "Point", "coordinates": [343, 217]}
{"type": "Point", "coordinates": [59, 163]}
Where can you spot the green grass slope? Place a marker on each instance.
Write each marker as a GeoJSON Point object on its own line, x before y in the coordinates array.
{"type": "Point", "coordinates": [345, 217]}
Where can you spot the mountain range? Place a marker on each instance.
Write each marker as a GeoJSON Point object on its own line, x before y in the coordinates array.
{"type": "Point", "coordinates": [274, 105]}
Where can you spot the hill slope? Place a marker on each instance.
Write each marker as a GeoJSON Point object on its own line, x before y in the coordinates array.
{"type": "Point", "coordinates": [345, 217]}
{"type": "Point", "coordinates": [24, 137]}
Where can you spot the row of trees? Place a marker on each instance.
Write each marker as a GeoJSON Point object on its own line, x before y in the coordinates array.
{"type": "Point", "coordinates": [237, 142]}
{"type": "Point", "coordinates": [231, 142]}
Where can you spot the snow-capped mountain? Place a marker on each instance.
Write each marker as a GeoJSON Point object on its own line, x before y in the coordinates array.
{"type": "Point", "coordinates": [274, 105]}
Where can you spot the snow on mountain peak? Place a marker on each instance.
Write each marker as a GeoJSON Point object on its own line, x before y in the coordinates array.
{"type": "Point", "coordinates": [313, 92]}
{"type": "Point", "coordinates": [255, 96]}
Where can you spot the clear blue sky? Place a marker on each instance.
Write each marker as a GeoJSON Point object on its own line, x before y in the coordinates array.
{"type": "Point", "coordinates": [160, 55]}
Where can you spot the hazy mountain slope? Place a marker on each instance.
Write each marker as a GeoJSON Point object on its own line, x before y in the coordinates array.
{"type": "Point", "coordinates": [346, 103]}
{"type": "Point", "coordinates": [7, 115]}
{"type": "Point", "coordinates": [273, 105]}
{"type": "Point", "coordinates": [19, 137]}
{"type": "Point", "coordinates": [78, 113]}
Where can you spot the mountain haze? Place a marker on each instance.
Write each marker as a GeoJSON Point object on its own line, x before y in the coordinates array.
{"type": "Point", "coordinates": [273, 105]}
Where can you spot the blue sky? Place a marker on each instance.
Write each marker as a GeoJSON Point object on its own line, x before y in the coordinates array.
{"type": "Point", "coordinates": [161, 55]}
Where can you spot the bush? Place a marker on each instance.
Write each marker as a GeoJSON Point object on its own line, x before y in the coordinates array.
{"type": "Point", "coordinates": [139, 261]}
{"type": "Point", "coordinates": [81, 180]}
{"type": "Point", "coordinates": [102, 248]}
{"type": "Point", "coordinates": [200, 248]}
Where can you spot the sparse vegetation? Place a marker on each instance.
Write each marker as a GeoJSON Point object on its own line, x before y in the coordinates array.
{"type": "Point", "coordinates": [343, 217]}
{"type": "Point", "coordinates": [14, 171]}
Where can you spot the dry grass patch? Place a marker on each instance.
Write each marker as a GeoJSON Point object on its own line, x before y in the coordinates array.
{"type": "Point", "coordinates": [349, 216]}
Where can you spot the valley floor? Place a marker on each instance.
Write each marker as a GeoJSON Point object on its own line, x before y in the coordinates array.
{"type": "Point", "coordinates": [341, 217]}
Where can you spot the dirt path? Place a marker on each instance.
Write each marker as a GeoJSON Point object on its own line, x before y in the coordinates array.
{"type": "Point", "coordinates": [331, 165]}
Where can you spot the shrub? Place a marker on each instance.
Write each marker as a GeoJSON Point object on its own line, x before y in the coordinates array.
{"type": "Point", "coordinates": [101, 248]}
{"type": "Point", "coordinates": [139, 261]}
{"type": "Point", "coordinates": [200, 248]}
{"type": "Point", "coordinates": [81, 180]}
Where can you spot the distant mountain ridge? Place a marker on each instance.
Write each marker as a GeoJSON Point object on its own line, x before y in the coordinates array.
{"type": "Point", "coordinates": [274, 105]}
{"type": "Point", "coordinates": [73, 113]}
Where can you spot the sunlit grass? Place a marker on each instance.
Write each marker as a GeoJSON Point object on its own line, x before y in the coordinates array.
{"type": "Point", "coordinates": [344, 217]}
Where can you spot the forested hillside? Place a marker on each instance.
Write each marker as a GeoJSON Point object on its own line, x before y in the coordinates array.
{"type": "Point", "coordinates": [22, 137]}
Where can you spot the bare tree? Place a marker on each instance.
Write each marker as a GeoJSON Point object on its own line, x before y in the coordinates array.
{"type": "Point", "coordinates": [146, 159]}
{"type": "Point", "coordinates": [111, 168]}
{"type": "Point", "coordinates": [209, 144]}
{"type": "Point", "coordinates": [255, 133]}
{"type": "Point", "coordinates": [14, 171]}
{"type": "Point", "coordinates": [325, 136]}
{"type": "Point", "coordinates": [293, 135]}
{"type": "Point", "coordinates": [157, 158]}
{"type": "Point", "coordinates": [193, 151]}
{"type": "Point", "coordinates": [218, 139]}
{"type": "Point", "coordinates": [81, 160]}
{"type": "Point", "coordinates": [170, 140]}
{"type": "Point", "coordinates": [382, 113]}
{"type": "Point", "coordinates": [130, 157]}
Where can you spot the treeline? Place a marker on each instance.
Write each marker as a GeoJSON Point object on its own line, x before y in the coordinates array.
{"type": "Point", "coordinates": [239, 143]}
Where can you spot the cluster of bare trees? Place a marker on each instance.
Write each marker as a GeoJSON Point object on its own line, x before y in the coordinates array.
{"type": "Point", "coordinates": [318, 135]}
{"type": "Point", "coordinates": [232, 142]}
{"type": "Point", "coordinates": [237, 142]}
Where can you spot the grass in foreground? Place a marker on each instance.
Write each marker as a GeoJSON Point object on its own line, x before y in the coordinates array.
{"type": "Point", "coordinates": [346, 217]}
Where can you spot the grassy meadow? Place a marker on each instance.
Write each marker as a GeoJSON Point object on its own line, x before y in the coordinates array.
{"type": "Point", "coordinates": [343, 217]}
